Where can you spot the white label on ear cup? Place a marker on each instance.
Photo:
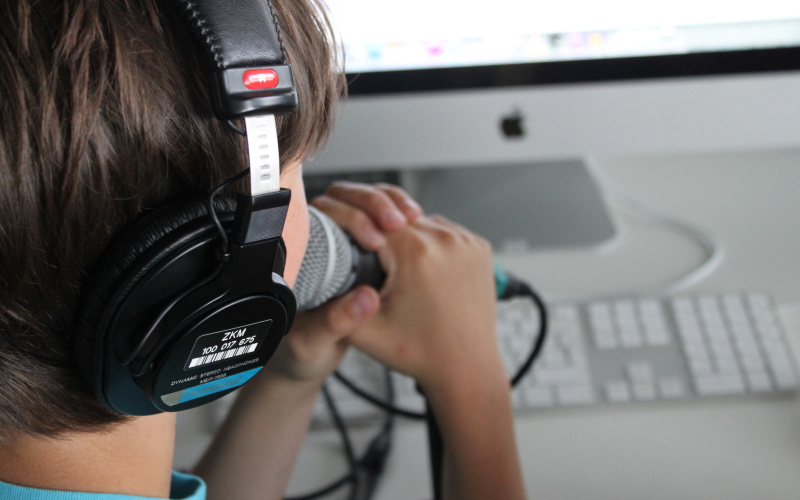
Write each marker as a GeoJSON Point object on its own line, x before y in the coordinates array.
{"type": "Point", "coordinates": [262, 144]}
{"type": "Point", "coordinates": [227, 344]}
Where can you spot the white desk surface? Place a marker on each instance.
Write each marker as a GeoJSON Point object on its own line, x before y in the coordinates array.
{"type": "Point", "coordinates": [715, 449]}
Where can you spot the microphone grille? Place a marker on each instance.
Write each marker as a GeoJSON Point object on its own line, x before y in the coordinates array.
{"type": "Point", "coordinates": [327, 264]}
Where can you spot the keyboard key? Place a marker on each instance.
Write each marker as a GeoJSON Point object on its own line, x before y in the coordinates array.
{"type": "Point", "coordinates": [672, 388]}
{"type": "Point", "coordinates": [734, 305]}
{"type": "Point", "coordinates": [631, 329]}
{"type": "Point", "coordinates": [722, 350]}
{"type": "Point", "coordinates": [651, 308]}
{"type": "Point", "coordinates": [683, 306]}
{"type": "Point", "coordinates": [696, 352]}
{"type": "Point", "coordinates": [554, 357]}
{"type": "Point", "coordinates": [640, 372]}
{"type": "Point", "coordinates": [605, 341]}
{"type": "Point", "coordinates": [720, 386]}
{"type": "Point", "coordinates": [658, 340]}
{"type": "Point", "coordinates": [758, 381]}
{"type": "Point", "coordinates": [691, 335]}
{"type": "Point", "coordinates": [753, 364]}
{"type": "Point", "coordinates": [518, 399]}
{"type": "Point", "coordinates": [656, 335]}
{"type": "Point", "coordinates": [600, 312]}
{"type": "Point", "coordinates": [625, 311]}
{"type": "Point", "coordinates": [717, 334]}
{"type": "Point", "coordinates": [631, 340]}
{"type": "Point", "coordinates": [747, 349]}
{"type": "Point", "coordinates": [539, 397]}
{"type": "Point", "coordinates": [574, 395]}
{"type": "Point", "coordinates": [644, 392]}
{"type": "Point", "coordinates": [618, 391]}
{"type": "Point", "coordinates": [727, 366]}
{"type": "Point", "coordinates": [560, 376]}
{"type": "Point", "coordinates": [701, 368]}
{"type": "Point", "coordinates": [785, 378]}
{"type": "Point", "coordinates": [759, 301]}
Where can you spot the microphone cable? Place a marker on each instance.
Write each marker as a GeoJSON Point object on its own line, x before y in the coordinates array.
{"type": "Point", "coordinates": [364, 472]}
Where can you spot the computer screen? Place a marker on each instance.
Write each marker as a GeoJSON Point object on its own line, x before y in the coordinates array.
{"type": "Point", "coordinates": [421, 34]}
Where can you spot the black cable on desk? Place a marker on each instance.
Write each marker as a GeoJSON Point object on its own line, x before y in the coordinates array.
{"type": "Point", "coordinates": [350, 477]}
{"type": "Point", "coordinates": [365, 472]}
{"type": "Point", "coordinates": [436, 450]}
{"type": "Point", "coordinates": [526, 291]}
{"type": "Point", "coordinates": [374, 459]}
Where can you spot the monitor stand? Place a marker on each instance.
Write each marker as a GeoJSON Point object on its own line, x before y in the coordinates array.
{"type": "Point", "coordinates": [526, 207]}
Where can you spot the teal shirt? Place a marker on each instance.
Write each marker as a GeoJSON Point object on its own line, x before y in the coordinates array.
{"type": "Point", "coordinates": [184, 487]}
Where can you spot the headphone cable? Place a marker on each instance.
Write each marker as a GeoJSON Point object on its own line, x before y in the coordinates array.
{"type": "Point", "coordinates": [223, 255]}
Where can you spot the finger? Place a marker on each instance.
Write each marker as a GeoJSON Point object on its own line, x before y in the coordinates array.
{"type": "Point", "coordinates": [449, 225]}
{"type": "Point", "coordinates": [375, 202]}
{"type": "Point", "coordinates": [461, 233]}
{"type": "Point", "coordinates": [404, 202]}
{"type": "Point", "coordinates": [442, 220]}
{"type": "Point", "coordinates": [341, 316]}
{"type": "Point", "coordinates": [353, 220]}
{"type": "Point", "coordinates": [448, 231]}
{"type": "Point", "coordinates": [437, 223]}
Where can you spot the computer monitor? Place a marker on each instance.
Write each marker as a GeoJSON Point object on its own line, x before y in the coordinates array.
{"type": "Point", "coordinates": [443, 84]}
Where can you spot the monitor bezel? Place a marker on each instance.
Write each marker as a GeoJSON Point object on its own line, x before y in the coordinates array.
{"type": "Point", "coordinates": [575, 71]}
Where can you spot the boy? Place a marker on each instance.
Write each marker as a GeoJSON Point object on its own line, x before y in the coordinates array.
{"type": "Point", "coordinates": [105, 115]}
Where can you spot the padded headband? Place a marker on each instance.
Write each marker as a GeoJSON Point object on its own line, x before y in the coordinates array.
{"type": "Point", "coordinates": [233, 33]}
{"type": "Point", "coordinates": [241, 38]}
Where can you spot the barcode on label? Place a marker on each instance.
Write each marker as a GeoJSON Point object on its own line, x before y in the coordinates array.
{"type": "Point", "coordinates": [217, 356]}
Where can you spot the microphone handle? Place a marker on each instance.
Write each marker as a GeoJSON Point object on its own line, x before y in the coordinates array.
{"type": "Point", "coordinates": [366, 270]}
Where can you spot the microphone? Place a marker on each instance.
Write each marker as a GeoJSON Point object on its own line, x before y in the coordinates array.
{"type": "Point", "coordinates": [335, 264]}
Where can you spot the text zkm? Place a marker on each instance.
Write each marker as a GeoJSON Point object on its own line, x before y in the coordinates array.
{"type": "Point", "coordinates": [235, 334]}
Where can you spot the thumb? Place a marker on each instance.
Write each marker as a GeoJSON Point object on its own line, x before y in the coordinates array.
{"type": "Point", "coordinates": [344, 314]}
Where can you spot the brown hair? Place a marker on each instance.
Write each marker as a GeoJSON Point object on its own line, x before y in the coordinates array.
{"type": "Point", "coordinates": [104, 115]}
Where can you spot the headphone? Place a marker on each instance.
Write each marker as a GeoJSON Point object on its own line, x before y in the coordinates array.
{"type": "Point", "coordinates": [189, 303]}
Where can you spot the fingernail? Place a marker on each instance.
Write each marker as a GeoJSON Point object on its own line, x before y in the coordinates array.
{"type": "Point", "coordinates": [359, 303]}
{"type": "Point", "coordinates": [376, 239]}
{"type": "Point", "coordinates": [394, 217]}
{"type": "Point", "coordinates": [413, 205]}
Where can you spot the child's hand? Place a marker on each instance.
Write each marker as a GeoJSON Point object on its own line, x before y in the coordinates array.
{"type": "Point", "coordinates": [318, 340]}
{"type": "Point", "coordinates": [436, 321]}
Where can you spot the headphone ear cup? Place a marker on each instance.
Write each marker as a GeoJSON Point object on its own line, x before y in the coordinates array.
{"type": "Point", "coordinates": [125, 262]}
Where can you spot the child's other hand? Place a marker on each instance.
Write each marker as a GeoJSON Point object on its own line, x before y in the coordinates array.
{"type": "Point", "coordinates": [368, 212]}
{"type": "Point", "coordinates": [318, 339]}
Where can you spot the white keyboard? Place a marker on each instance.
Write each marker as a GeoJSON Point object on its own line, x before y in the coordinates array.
{"type": "Point", "coordinates": [622, 350]}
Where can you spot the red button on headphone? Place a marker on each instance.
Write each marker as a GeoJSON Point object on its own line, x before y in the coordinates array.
{"type": "Point", "coordinates": [256, 79]}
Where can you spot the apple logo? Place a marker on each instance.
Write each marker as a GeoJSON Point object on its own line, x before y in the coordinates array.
{"type": "Point", "coordinates": [511, 125]}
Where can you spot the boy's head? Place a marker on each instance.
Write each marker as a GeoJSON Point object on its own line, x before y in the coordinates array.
{"type": "Point", "coordinates": [105, 114]}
